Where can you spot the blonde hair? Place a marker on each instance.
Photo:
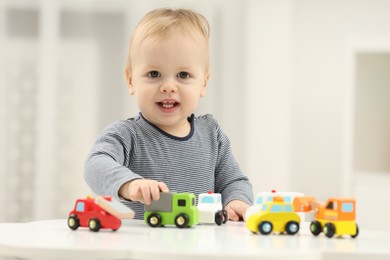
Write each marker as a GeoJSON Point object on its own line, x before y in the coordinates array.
{"type": "Point", "coordinates": [165, 21]}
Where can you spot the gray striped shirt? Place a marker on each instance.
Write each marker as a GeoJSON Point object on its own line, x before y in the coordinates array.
{"type": "Point", "coordinates": [198, 163]}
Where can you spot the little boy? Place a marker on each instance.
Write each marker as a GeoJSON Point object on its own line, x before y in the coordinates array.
{"type": "Point", "coordinates": [166, 147]}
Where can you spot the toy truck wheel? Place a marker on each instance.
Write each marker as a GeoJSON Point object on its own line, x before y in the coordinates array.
{"type": "Point", "coordinates": [225, 216]}
{"type": "Point", "coordinates": [94, 224]}
{"type": "Point", "coordinates": [357, 232]}
{"type": "Point", "coordinates": [181, 220]}
{"type": "Point", "coordinates": [292, 227]}
{"type": "Point", "coordinates": [154, 220]}
{"type": "Point", "coordinates": [315, 228]}
{"type": "Point", "coordinates": [73, 222]}
{"type": "Point", "coordinates": [329, 230]}
{"type": "Point", "coordinates": [219, 218]}
{"type": "Point", "coordinates": [265, 227]}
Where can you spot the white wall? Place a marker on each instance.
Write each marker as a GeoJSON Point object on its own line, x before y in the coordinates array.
{"type": "Point", "coordinates": [322, 32]}
{"type": "Point", "coordinates": [267, 80]}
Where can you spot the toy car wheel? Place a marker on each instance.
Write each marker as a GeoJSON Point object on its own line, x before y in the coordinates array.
{"type": "Point", "coordinates": [219, 218]}
{"type": "Point", "coordinates": [292, 227]}
{"type": "Point", "coordinates": [329, 230]}
{"type": "Point", "coordinates": [315, 227]}
{"type": "Point", "coordinates": [154, 220]}
{"type": "Point", "coordinates": [265, 227]}
{"type": "Point", "coordinates": [225, 216]}
{"type": "Point", "coordinates": [181, 220]}
{"type": "Point", "coordinates": [357, 232]}
{"type": "Point", "coordinates": [94, 224]}
{"type": "Point", "coordinates": [73, 222]}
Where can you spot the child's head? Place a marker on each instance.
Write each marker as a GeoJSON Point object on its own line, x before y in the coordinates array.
{"type": "Point", "coordinates": [165, 22]}
{"type": "Point", "coordinates": [168, 66]}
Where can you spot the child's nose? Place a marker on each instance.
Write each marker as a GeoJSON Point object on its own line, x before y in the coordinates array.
{"type": "Point", "coordinates": [168, 87]}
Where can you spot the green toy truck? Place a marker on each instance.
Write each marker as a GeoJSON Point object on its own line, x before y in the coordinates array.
{"type": "Point", "coordinates": [172, 209]}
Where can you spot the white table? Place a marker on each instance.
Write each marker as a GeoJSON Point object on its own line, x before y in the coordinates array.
{"type": "Point", "coordinates": [52, 239]}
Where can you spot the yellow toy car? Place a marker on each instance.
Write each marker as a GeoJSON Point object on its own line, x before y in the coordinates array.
{"type": "Point", "coordinates": [274, 216]}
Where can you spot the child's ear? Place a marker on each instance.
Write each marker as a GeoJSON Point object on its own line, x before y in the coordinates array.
{"type": "Point", "coordinates": [128, 81]}
{"type": "Point", "coordinates": [204, 87]}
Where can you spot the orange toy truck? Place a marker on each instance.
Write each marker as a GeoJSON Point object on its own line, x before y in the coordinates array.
{"type": "Point", "coordinates": [335, 217]}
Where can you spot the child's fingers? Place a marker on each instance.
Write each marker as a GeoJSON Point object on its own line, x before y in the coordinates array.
{"type": "Point", "coordinates": [163, 187]}
{"type": "Point", "coordinates": [232, 215]}
{"type": "Point", "coordinates": [146, 194]}
{"type": "Point", "coordinates": [135, 193]}
{"type": "Point", "coordinates": [154, 191]}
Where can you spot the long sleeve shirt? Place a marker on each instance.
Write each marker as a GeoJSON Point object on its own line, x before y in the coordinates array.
{"type": "Point", "coordinates": [135, 148]}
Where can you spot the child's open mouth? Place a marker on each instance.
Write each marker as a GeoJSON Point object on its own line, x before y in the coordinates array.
{"type": "Point", "coordinates": [168, 104]}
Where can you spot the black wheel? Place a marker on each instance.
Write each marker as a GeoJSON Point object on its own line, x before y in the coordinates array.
{"type": "Point", "coordinates": [329, 230]}
{"type": "Point", "coordinates": [154, 220]}
{"type": "Point", "coordinates": [94, 224]}
{"type": "Point", "coordinates": [315, 227]}
{"type": "Point", "coordinates": [225, 216]}
{"type": "Point", "coordinates": [181, 220]}
{"type": "Point", "coordinates": [265, 227]}
{"type": "Point", "coordinates": [73, 222]}
{"type": "Point", "coordinates": [357, 232]}
{"type": "Point", "coordinates": [219, 218]}
{"type": "Point", "coordinates": [292, 227]}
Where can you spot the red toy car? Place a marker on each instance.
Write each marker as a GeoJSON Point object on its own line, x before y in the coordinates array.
{"type": "Point", "coordinates": [101, 212]}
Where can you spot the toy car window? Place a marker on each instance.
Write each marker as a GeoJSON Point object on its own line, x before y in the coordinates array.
{"type": "Point", "coordinates": [288, 208]}
{"type": "Point", "coordinates": [259, 200]}
{"type": "Point", "coordinates": [330, 205]}
{"type": "Point", "coordinates": [193, 201]}
{"type": "Point", "coordinates": [219, 199]}
{"type": "Point", "coordinates": [207, 199]}
{"type": "Point", "coordinates": [276, 208]}
{"type": "Point", "coordinates": [80, 206]}
{"type": "Point", "coordinates": [347, 207]}
{"type": "Point", "coordinates": [264, 208]}
{"type": "Point", "coordinates": [287, 198]}
{"type": "Point", "coordinates": [270, 198]}
{"type": "Point", "coordinates": [181, 203]}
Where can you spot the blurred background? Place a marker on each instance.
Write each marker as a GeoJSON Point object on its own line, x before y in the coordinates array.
{"type": "Point", "coordinates": [302, 88]}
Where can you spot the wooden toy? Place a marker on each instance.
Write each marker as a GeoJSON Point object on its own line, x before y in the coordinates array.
{"type": "Point", "coordinates": [262, 197]}
{"type": "Point", "coordinates": [172, 209]}
{"type": "Point", "coordinates": [303, 206]}
{"type": "Point", "coordinates": [335, 217]}
{"type": "Point", "coordinates": [275, 216]}
{"type": "Point", "coordinates": [210, 209]}
{"type": "Point", "coordinates": [101, 212]}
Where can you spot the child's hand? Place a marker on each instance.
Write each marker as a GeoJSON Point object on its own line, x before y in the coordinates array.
{"type": "Point", "coordinates": [236, 210]}
{"type": "Point", "coordinates": [144, 191]}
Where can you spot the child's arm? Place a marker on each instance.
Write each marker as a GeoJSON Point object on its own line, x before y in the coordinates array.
{"type": "Point", "coordinates": [144, 191]}
{"type": "Point", "coordinates": [236, 210]}
{"type": "Point", "coordinates": [234, 186]}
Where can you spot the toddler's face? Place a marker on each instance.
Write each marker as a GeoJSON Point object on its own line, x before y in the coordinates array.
{"type": "Point", "coordinates": [168, 78]}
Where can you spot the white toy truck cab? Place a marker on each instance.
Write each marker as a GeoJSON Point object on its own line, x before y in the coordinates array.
{"type": "Point", "coordinates": [210, 209]}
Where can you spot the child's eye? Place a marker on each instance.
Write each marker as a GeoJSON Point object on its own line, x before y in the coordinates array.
{"type": "Point", "coordinates": [183, 75]}
{"type": "Point", "coordinates": [154, 74]}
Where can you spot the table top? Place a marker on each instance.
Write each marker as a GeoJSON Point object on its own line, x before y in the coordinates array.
{"type": "Point", "coordinates": [52, 239]}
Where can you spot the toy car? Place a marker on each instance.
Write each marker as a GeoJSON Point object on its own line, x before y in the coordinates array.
{"type": "Point", "coordinates": [172, 209]}
{"type": "Point", "coordinates": [210, 209]}
{"type": "Point", "coordinates": [274, 216]}
{"type": "Point", "coordinates": [335, 217]}
{"type": "Point", "coordinates": [102, 212]}
{"type": "Point", "coordinates": [262, 197]}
